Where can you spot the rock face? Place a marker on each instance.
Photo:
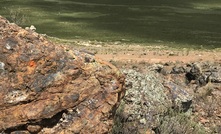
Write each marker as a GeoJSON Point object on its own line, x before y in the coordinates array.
{"type": "Point", "coordinates": [171, 98]}
{"type": "Point", "coordinates": [149, 97]}
{"type": "Point", "coordinates": [47, 88]}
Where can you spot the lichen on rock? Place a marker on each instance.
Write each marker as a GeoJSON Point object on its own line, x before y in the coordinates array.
{"type": "Point", "coordinates": [49, 88]}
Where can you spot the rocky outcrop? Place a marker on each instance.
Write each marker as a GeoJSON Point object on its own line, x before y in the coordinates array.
{"type": "Point", "coordinates": [171, 98]}
{"type": "Point", "coordinates": [48, 88]}
{"type": "Point", "coordinates": [145, 101]}
{"type": "Point", "coordinates": [149, 97]}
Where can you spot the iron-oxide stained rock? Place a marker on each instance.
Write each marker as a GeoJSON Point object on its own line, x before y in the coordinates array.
{"type": "Point", "coordinates": [48, 88]}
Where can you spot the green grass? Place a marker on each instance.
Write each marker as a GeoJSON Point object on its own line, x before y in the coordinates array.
{"type": "Point", "coordinates": [192, 24]}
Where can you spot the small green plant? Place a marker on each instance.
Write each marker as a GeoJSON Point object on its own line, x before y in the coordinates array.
{"type": "Point", "coordinates": [118, 120]}
{"type": "Point", "coordinates": [176, 122]}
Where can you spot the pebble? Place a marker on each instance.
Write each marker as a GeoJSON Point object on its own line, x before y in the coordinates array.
{"type": "Point", "coordinates": [2, 66]}
{"type": "Point", "coordinates": [8, 46]}
{"type": "Point", "coordinates": [143, 121]}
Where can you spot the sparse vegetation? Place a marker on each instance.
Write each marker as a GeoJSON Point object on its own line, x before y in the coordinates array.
{"type": "Point", "coordinates": [178, 123]}
{"type": "Point", "coordinates": [172, 122]}
{"type": "Point", "coordinates": [17, 16]}
{"type": "Point", "coordinates": [118, 120]}
{"type": "Point", "coordinates": [172, 23]}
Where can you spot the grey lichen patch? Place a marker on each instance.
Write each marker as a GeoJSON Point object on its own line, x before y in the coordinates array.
{"type": "Point", "coordinates": [15, 96]}
{"type": "Point", "coordinates": [10, 44]}
{"type": "Point", "coordinates": [145, 98]}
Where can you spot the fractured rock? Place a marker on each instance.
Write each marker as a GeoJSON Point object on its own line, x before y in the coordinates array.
{"type": "Point", "coordinates": [48, 88]}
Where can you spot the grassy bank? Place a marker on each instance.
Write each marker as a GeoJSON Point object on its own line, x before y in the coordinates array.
{"type": "Point", "coordinates": [192, 24]}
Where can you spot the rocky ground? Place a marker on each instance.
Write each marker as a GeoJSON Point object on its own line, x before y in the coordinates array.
{"type": "Point", "coordinates": [172, 98]}
{"type": "Point", "coordinates": [168, 90]}
{"type": "Point", "coordinates": [47, 88]}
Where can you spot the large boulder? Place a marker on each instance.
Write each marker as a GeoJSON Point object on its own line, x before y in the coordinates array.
{"type": "Point", "coordinates": [48, 88]}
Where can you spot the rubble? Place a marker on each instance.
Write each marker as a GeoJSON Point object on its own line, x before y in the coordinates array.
{"type": "Point", "coordinates": [48, 88]}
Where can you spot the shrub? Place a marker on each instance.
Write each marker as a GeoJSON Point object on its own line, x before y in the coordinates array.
{"type": "Point", "coordinates": [17, 16]}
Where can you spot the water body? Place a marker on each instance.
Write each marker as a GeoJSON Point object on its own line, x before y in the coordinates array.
{"type": "Point", "coordinates": [189, 23]}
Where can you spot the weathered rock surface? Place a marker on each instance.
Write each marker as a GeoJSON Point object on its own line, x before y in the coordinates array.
{"type": "Point", "coordinates": [47, 88]}
{"type": "Point", "coordinates": [171, 98]}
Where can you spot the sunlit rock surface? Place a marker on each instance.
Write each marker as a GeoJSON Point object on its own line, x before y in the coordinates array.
{"type": "Point", "coordinates": [47, 88]}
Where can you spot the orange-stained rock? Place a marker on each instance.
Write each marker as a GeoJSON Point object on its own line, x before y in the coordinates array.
{"type": "Point", "coordinates": [48, 88]}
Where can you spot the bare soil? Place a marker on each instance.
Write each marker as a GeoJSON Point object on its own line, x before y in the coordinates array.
{"type": "Point", "coordinates": [149, 54]}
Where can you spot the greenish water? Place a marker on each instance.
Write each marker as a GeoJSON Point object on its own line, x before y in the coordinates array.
{"type": "Point", "coordinates": [189, 23]}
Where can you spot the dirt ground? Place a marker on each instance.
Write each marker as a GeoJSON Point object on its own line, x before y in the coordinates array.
{"type": "Point", "coordinates": [148, 54]}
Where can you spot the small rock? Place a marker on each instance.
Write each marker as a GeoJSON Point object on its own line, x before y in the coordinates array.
{"type": "Point", "coordinates": [178, 70]}
{"type": "Point", "coordinates": [7, 46]}
{"type": "Point", "coordinates": [2, 66]}
{"type": "Point", "coordinates": [143, 121]}
{"type": "Point", "coordinates": [155, 67]}
{"type": "Point", "coordinates": [166, 70]}
{"type": "Point", "coordinates": [33, 28]}
{"type": "Point", "coordinates": [34, 128]}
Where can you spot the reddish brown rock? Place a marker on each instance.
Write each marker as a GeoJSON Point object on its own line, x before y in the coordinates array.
{"type": "Point", "coordinates": [48, 88]}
